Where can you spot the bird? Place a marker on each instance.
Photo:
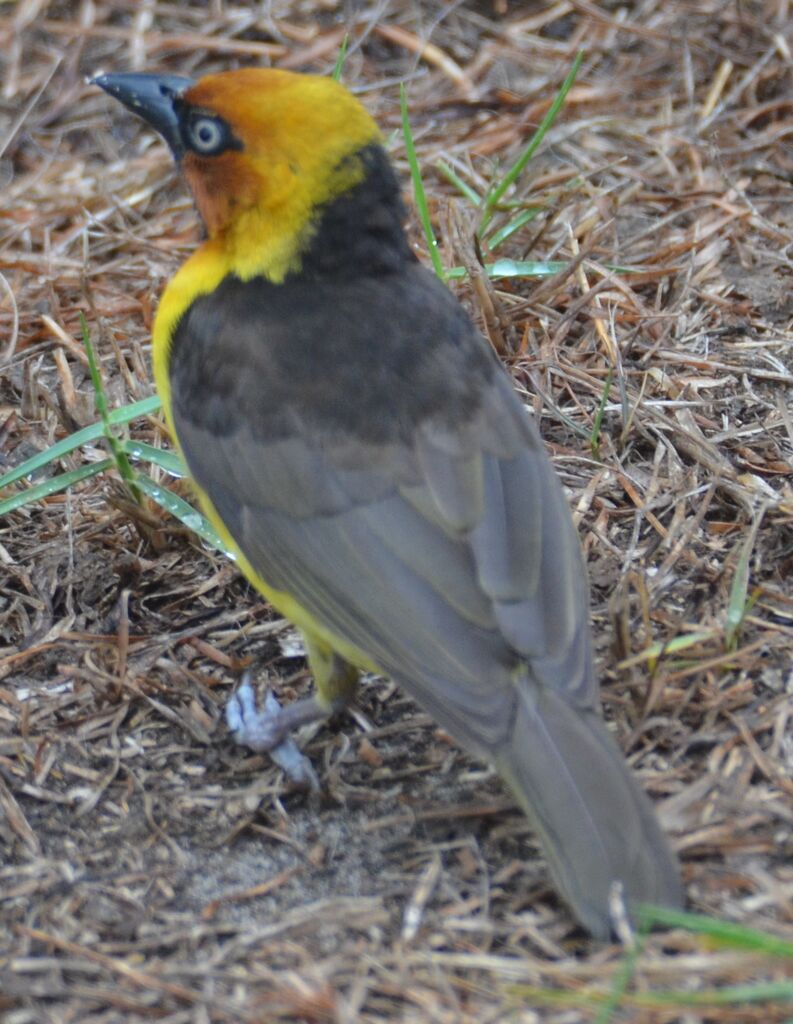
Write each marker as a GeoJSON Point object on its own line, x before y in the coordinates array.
{"type": "Point", "coordinates": [362, 451]}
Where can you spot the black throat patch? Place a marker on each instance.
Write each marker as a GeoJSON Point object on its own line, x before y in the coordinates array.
{"type": "Point", "coordinates": [361, 231]}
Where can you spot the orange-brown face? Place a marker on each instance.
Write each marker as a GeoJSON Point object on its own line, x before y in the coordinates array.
{"type": "Point", "coordinates": [221, 186]}
{"type": "Point", "coordinates": [285, 136]}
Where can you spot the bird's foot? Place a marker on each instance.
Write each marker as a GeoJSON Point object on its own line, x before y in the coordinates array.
{"type": "Point", "coordinates": [269, 728]}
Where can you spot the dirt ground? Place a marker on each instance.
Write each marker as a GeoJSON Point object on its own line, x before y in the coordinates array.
{"type": "Point", "coordinates": [150, 870]}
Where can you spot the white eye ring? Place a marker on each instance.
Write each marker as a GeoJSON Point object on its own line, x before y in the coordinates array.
{"type": "Point", "coordinates": [206, 135]}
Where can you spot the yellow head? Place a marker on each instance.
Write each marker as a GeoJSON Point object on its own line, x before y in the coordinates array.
{"type": "Point", "coordinates": [261, 149]}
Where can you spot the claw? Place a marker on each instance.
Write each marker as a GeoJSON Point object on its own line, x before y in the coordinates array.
{"type": "Point", "coordinates": [258, 729]}
{"type": "Point", "coordinates": [295, 765]}
{"type": "Point", "coordinates": [267, 729]}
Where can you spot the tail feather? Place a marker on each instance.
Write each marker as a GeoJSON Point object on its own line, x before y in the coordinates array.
{"type": "Point", "coordinates": [596, 824]}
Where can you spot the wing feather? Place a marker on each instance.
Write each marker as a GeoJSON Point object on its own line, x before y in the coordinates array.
{"type": "Point", "coordinates": [421, 524]}
{"type": "Point", "coordinates": [392, 570]}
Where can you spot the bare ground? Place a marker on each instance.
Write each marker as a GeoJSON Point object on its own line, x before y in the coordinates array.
{"type": "Point", "coordinates": [150, 870]}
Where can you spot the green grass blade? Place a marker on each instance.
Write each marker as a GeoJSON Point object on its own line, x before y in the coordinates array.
{"type": "Point", "coordinates": [594, 441]}
{"type": "Point", "coordinates": [738, 604]}
{"type": "Point", "coordinates": [184, 512]}
{"type": "Point", "coordinates": [116, 447]}
{"type": "Point", "coordinates": [512, 175]}
{"type": "Point", "coordinates": [165, 459]}
{"type": "Point", "coordinates": [523, 218]}
{"type": "Point", "coordinates": [723, 933]}
{"type": "Point", "coordinates": [729, 995]}
{"type": "Point", "coordinates": [145, 407]}
{"type": "Point", "coordinates": [418, 188]}
{"type": "Point", "coordinates": [462, 186]}
{"type": "Point", "coordinates": [54, 485]}
{"type": "Point", "coordinates": [514, 268]}
{"type": "Point", "coordinates": [668, 647]}
{"type": "Point", "coordinates": [622, 979]}
{"type": "Point", "coordinates": [339, 65]}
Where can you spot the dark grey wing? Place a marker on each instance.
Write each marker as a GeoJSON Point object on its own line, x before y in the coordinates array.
{"type": "Point", "coordinates": [435, 539]}
{"type": "Point", "coordinates": [386, 475]}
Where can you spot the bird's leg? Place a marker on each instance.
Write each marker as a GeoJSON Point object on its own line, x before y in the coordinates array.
{"type": "Point", "coordinates": [335, 678]}
{"type": "Point", "coordinates": [269, 728]}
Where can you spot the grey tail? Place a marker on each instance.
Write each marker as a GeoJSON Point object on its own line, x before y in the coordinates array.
{"type": "Point", "coordinates": [596, 824]}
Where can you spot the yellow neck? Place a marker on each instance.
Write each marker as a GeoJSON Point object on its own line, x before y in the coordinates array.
{"type": "Point", "coordinates": [199, 275]}
{"type": "Point", "coordinates": [269, 237]}
{"type": "Point", "coordinates": [259, 244]}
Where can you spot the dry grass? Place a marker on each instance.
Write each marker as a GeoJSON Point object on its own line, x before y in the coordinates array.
{"type": "Point", "coordinates": [151, 871]}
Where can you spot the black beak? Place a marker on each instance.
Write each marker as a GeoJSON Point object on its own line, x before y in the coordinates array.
{"type": "Point", "coordinates": [152, 98]}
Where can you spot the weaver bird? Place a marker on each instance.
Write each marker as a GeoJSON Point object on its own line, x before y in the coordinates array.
{"type": "Point", "coordinates": [357, 444]}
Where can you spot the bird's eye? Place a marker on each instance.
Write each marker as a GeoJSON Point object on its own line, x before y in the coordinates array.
{"type": "Point", "coordinates": [207, 135]}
